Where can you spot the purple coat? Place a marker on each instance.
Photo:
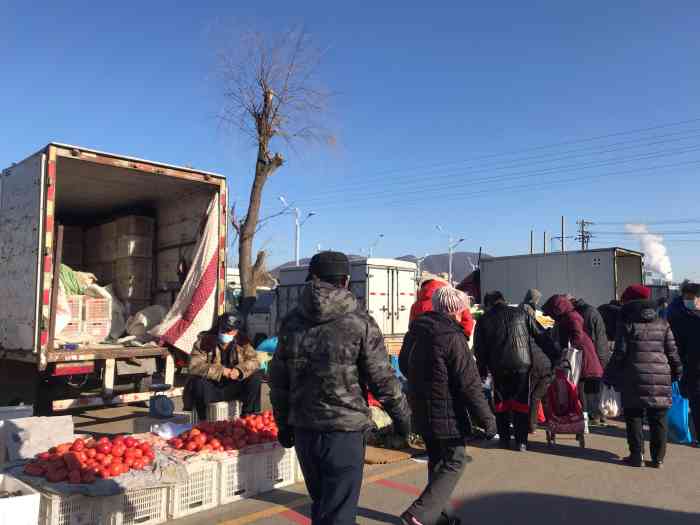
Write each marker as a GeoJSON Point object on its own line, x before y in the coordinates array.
{"type": "Point", "coordinates": [571, 328]}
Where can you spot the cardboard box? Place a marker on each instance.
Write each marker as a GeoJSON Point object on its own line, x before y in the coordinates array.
{"type": "Point", "coordinates": [134, 278]}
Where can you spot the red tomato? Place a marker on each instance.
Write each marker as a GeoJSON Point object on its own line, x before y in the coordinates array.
{"type": "Point", "coordinates": [201, 440]}
{"type": "Point", "coordinates": [129, 461]}
{"type": "Point", "coordinates": [145, 447]}
{"type": "Point", "coordinates": [62, 449]}
{"type": "Point", "coordinates": [104, 473]}
{"type": "Point", "coordinates": [99, 456]}
{"type": "Point", "coordinates": [177, 443]}
{"type": "Point", "coordinates": [118, 450]}
{"type": "Point", "coordinates": [129, 442]}
{"type": "Point", "coordinates": [74, 477]}
{"type": "Point", "coordinates": [107, 460]}
{"type": "Point", "coordinates": [102, 440]}
{"type": "Point", "coordinates": [104, 448]}
{"type": "Point", "coordinates": [214, 443]}
{"type": "Point", "coordinates": [194, 432]}
{"type": "Point", "coordinates": [138, 464]}
{"type": "Point", "coordinates": [78, 445]}
{"type": "Point", "coordinates": [138, 453]}
{"type": "Point", "coordinates": [118, 440]}
{"type": "Point", "coordinates": [91, 452]}
{"type": "Point", "coordinates": [191, 446]}
{"type": "Point", "coordinates": [115, 470]}
{"type": "Point", "coordinates": [44, 456]}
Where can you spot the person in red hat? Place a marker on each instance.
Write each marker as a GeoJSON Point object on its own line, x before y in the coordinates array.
{"type": "Point", "coordinates": [643, 366]}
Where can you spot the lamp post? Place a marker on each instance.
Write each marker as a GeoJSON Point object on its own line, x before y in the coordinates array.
{"type": "Point", "coordinates": [374, 244]}
{"type": "Point", "coordinates": [298, 223]}
{"type": "Point", "coordinates": [451, 245]}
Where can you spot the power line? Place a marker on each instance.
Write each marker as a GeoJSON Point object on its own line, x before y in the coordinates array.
{"type": "Point", "coordinates": [432, 189]}
{"type": "Point", "coordinates": [513, 164]}
{"type": "Point", "coordinates": [653, 170]}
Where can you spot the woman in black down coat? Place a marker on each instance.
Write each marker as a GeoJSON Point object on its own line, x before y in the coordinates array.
{"type": "Point", "coordinates": [643, 366]}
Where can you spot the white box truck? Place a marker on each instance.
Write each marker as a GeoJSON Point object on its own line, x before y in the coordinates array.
{"type": "Point", "coordinates": [385, 287]}
{"type": "Point", "coordinates": [64, 186]}
{"type": "Point", "coordinates": [597, 276]}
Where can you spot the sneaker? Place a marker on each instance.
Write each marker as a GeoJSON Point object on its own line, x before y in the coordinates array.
{"type": "Point", "coordinates": [657, 464]}
{"type": "Point", "coordinates": [634, 460]}
{"type": "Point", "coordinates": [520, 447]}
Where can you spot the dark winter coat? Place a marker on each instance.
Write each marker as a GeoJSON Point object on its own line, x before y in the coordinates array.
{"type": "Point", "coordinates": [645, 361]}
{"type": "Point", "coordinates": [610, 313]}
{"type": "Point", "coordinates": [443, 382]}
{"type": "Point", "coordinates": [594, 324]}
{"type": "Point", "coordinates": [503, 340]}
{"type": "Point", "coordinates": [686, 329]}
{"type": "Point", "coordinates": [570, 328]}
{"type": "Point", "coordinates": [541, 364]}
{"type": "Point", "coordinates": [328, 350]}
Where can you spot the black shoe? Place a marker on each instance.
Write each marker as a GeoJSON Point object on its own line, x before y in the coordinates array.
{"type": "Point", "coordinates": [634, 460]}
{"type": "Point", "coordinates": [656, 464]}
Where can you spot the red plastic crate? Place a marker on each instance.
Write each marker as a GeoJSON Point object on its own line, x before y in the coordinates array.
{"type": "Point", "coordinates": [97, 332]}
{"type": "Point", "coordinates": [76, 308]}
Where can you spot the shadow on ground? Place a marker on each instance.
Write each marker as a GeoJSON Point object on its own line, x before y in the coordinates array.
{"type": "Point", "coordinates": [526, 508]}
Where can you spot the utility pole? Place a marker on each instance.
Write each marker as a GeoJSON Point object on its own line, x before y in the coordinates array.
{"type": "Point", "coordinates": [532, 242]}
{"type": "Point", "coordinates": [584, 236]}
{"type": "Point", "coordinates": [562, 238]}
{"type": "Point", "coordinates": [298, 223]}
{"type": "Point", "coordinates": [544, 242]}
{"type": "Point", "coordinates": [451, 245]}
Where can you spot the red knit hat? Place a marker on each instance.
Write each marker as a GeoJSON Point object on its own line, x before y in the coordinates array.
{"type": "Point", "coordinates": [636, 292]}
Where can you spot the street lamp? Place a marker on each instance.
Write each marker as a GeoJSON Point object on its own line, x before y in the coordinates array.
{"type": "Point", "coordinates": [374, 244]}
{"type": "Point", "coordinates": [451, 245]}
{"type": "Point", "coordinates": [298, 223]}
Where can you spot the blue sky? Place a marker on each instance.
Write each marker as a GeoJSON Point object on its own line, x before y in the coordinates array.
{"type": "Point", "coordinates": [442, 113]}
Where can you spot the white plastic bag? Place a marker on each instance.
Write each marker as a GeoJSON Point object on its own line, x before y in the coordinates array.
{"type": "Point", "coordinates": [572, 359]}
{"type": "Point", "coordinates": [610, 402]}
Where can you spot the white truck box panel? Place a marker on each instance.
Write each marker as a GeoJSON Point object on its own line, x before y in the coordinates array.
{"type": "Point", "coordinates": [20, 223]}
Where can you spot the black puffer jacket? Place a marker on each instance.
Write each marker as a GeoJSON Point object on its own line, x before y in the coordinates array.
{"type": "Point", "coordinates": [686, 328]}
{"type": "Point", "coordinates": [594, 324]}
{"type": "Point", "coordinates": [502, 340]}
{"type": "Point", "coordinates": [443, 383]}
{"type": "Point", "coordinates": [541, 364]}
{"type": "Point", "coordinates": [328, 350]}
{"type": "Point", "coordinates": [645, 357]}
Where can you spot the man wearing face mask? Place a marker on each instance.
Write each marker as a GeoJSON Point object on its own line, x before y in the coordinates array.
{"type": "Point", "coordinates": [684, 318]}
{"type": "Point", "coordinates": [224, 367]}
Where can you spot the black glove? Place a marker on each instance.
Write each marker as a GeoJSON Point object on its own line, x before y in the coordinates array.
{"type": "Point", "coordinates": [286, 437]}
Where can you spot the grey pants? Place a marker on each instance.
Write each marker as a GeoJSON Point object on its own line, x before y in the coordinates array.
{"type": "Point", "coordinates": [446, 462]}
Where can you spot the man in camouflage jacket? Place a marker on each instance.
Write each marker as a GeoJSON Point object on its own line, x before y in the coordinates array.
{"type": "Point", "coordinates": [224, 367]}
{"type": "Point", "coordinates": [330, 352]}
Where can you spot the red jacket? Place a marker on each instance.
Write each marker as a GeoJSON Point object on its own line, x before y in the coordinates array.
{"type": "Point", "coordinates": [425, 298]}
{"type": "Point", "coordinates": [571, 329]}
{"type": "Point", "coordinates": [468, 323]}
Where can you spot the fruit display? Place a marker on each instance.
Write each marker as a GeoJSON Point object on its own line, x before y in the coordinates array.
{"type": "Point", "coordinates": [221, 436]}
{"type": "Point", "coordinates": [85, 461]}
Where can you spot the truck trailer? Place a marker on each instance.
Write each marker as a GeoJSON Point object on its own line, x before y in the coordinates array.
{"type": "Point", "coordinates": [65, 188]}
{"type": "Point", "coordinates": [597, 276]}
{"type": "Point", "coordinates": [385, 287]}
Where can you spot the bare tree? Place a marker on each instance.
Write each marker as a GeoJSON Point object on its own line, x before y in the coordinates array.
{"type": "Point", "coordinates": [271, 93]}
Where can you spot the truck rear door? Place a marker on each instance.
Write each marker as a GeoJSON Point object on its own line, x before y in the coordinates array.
{"type": "Point", "coordinates": [379, 305]}
{"type": "Point", "coordinates": [21, 229]}
{"type": "Point", "coordinates": [404, 294]}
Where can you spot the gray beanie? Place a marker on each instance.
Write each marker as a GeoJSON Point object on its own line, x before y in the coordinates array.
{"type": "Point", "coordinates": [533, 296]}
{"type": "Point", "coordinates": [449, 300]}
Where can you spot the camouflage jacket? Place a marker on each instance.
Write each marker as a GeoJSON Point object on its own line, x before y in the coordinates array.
{"type": "Point", "coordinates": [208, 360]}
{"type": "Point", "coordinates": [329, 353]}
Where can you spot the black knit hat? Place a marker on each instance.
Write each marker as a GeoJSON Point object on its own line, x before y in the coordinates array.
{"type": "Point", "coordinates": [229, 322]}
{"type": "Point", "coordinates": [329, 264]}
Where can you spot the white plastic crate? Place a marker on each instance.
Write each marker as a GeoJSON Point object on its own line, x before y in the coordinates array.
{"type": "Point", "coordinates": [237, 478]}
{"type": "Point", "coordinates": [223, 410]}
{"type": "Point", "coordinates": [275, 468]}
{"type": "Point", "coordinates": [23, 509]}
{"type": "Point", "coordinates": [96, 332]}
{"type": "Point", "coordinates": [76, 304]}
{"type": "Point", "coordinates": [70, 510]}
{"type": "Point", "coordinates": [147, 506]}
{"type": "Point", "coordinates": [199, 492]}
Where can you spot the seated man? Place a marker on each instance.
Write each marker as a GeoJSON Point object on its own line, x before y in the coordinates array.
{"type": "Point", "coordinates": [224, 367]}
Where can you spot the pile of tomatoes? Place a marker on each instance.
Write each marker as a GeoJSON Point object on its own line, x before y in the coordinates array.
{"type": "Point", "coordinates": [228, 435]}
{"type": "Point", "coordinates": [85, 461]}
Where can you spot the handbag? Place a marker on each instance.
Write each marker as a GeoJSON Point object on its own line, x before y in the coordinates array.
{"type": "Point", "coordinates": [678, 424]}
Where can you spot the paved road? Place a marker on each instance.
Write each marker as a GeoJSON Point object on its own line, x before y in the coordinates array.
{"type": "Point", "coordinates": [565, 485]}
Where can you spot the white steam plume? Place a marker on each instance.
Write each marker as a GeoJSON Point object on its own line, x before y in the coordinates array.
{"type": "Point", "coordinates": [656, 256]}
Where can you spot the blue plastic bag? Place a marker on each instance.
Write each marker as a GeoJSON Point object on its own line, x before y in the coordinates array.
{"type": "Point", "coordinates": [678, 428]}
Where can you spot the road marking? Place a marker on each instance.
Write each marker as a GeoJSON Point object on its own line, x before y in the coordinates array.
{"type": "Point", "coordinates": [401, 487]}
{"type": "Point", "coordinates": [276, 510]}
